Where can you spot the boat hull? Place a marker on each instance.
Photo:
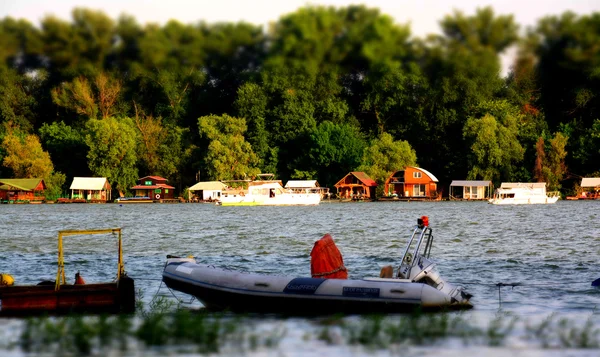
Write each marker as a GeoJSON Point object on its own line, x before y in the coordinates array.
{"type": "Point", "coordinates": [30, 300]}
{"type": "Point", "coordinates": [220, 289]}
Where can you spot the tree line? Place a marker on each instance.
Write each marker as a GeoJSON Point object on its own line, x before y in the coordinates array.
{"type": "Point", "coordinates": [322, 92]}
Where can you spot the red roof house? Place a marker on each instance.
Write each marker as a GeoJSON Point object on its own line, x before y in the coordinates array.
{"type": "Point", "coordinates": [356, 185]}
{"type": "Point", "coordinates": [154, 187]}
{"type": "Point", "coordinates": [411, 182]}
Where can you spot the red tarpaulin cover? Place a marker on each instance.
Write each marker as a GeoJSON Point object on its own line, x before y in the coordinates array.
{"type": "Point", "coordinates": [326, 260]}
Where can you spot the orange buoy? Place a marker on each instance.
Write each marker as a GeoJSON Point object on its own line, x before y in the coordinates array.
{"type": "Point", "coordinates": [326, 260]}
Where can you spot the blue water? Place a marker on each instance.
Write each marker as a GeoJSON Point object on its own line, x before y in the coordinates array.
{"type": "Point", "coordinates": [552, 251]}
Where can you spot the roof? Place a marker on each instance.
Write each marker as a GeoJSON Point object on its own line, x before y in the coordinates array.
{"type": "Point", "coordinates": [585, 182]}
{"type": "Point", "coordinates": [301, 184]}
{"type": "Point", "coordinates": [90, 183]}
{"type": "Point", "coordinates": [470, 183]}
{"type": "Point", "coordinates": [433, 178]}
{"type": "Point", "coordinates": [155, 178]}
{"type": "Point", "coordinates": [21, 184]}
{"type": "Point", "coordinates": [152, 187]}
{"type": "Point", "coordinates": [208, 186]}
{"type": "Point", "coordinates": [362, 177]}
{"type": "Point", "coordinates": [523, 184]}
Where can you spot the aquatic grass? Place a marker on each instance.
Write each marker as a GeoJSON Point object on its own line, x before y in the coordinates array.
{"type": "Point", "coordinates": [500, 328]}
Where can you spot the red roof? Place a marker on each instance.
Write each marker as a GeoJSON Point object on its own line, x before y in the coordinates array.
{"type": "Point", "coordinates": [364, 178]}
{"type": "Point", "coordinates": [152, 187]}
{"type": "Point", "coordinates": [155, 178]}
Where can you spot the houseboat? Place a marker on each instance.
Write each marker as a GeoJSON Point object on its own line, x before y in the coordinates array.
{"type": "Point", "coordinates": [514, 193]}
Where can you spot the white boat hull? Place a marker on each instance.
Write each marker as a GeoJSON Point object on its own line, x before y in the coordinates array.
{"type": "Point", "coordinates": [221, 289]}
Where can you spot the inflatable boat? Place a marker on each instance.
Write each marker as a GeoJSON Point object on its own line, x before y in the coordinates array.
{"type": "Point", "coordinates": [415, 284]}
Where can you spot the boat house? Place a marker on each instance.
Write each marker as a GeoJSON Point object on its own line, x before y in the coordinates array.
{"type": "Point", "coordinates": [356, 185]}
{"type": "Point", "coordinates": [22, 190]}
{"type": "Point", "coordinates": [471, 190]}
{"type": "Point", "coordinates": [590, 187]}
{"type": "Point", "coordinates": [411, 182]}
{"type": "Point", "coordinates": [93, 189]}
{"type": "Point", "coordinates": [206, 191]}
{"type": "Point", "coordinates": [154, 187]}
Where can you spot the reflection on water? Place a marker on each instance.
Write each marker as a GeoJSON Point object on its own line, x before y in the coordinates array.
{"type": "Point", "coordinates": [550, 250]}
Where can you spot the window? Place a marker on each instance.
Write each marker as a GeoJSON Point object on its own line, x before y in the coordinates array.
{"type": "Point", "coordinates": [148, 183]}
{"type": "Point", "coordinates": [418, 190]}
{"type": "Point", "coordinates": [417, 174]}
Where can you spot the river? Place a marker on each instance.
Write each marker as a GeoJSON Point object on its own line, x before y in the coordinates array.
{"type": "Point", "coordinates": [552, 251]}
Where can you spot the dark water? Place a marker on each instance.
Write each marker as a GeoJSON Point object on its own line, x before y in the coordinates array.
{"type": "Point", "coordinates": [552, 250]}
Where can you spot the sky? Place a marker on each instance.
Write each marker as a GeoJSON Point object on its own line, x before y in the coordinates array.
{"type": "Point", "coordinates": [423, 15]}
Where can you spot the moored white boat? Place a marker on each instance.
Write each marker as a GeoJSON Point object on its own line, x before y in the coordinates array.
{"type": "Point", "coordinates": [514, 193]}
{"type": "Point", "coordinates": [416, 284]}
{"type": "Point", "coordinates": [270, 193]}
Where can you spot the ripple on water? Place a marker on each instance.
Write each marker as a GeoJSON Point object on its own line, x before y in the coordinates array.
{"type": "Point", "coordinates": [479, 244]}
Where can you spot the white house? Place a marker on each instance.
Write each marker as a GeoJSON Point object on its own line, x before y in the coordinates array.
{"type": "Point", "coordinates": [207, 191]}
{"type": "Point", "coordinates": [91, 188]}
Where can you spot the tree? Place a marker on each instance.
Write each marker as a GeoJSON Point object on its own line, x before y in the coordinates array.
{"type": "Point", "coordinates": [493, 141]}
{"type": "Point", "coordinates": [64, 141]}
{"type": "Point", "coordinates": [25, 156]}
{"type": "Point", "coordinates": [160, 146]}
{"type": "Point", "coordinates": [553, 162]}
{"type": "Point", "coordinates": [331, 151]}
{"type": "Point", "coordinates": [18, 99]}
{"type": "Point", "coordinates": [90, 99]}
{"type": "Point", "coordinates": [112, 154]}
{"type": "Point", "coordinates": [228, 155]}
{"type": "Point", "coordinates": [384, 156]}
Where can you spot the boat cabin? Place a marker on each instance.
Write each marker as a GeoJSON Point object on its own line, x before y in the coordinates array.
{"type": "Point", "coordinates": [91, 189]}
{"type": "Point", "coordinates": [471, 190]}
{"type": "Point", "coordinates": [411, 182]}
{"type": "Point", "coordinates": [307, 186]}
{"type": "Point", "coordinates": [22, 190]}
{"type": "Point", "coordinates": [356, 186]}
{"type": "Point", "coordinates": [153, 187]}
{"type": "Point", "coordinates": [206, 191]}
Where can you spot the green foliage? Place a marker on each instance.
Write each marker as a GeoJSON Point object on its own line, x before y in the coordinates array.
{"type": "Point", "coordinates": [228, 156]}
{"type": "Point", "coordinates": [25, 156]}
{"type": "Point", "coordinates": [332, 151]}
{"type": "Point", "coordinates": [62, 140]}
{"type": "Point", "coordinates": [385, 156]}
{"type": "Point", "coordinates": [351, 66]}
{"type": "Point", "coordinates": [54, 185]}
{"type": "Point", "coordinates": [493, 141]}
{"type": "Point", "coordinates": [111, 152]}
{"type": "Point", "coordinates": [18, 103]}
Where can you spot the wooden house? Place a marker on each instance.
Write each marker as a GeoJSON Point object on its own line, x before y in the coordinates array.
{"type": "Point", "coordinates": [206, 191]}
{"type": "Point", "coordinates": [411, 182]}
{"type": "Point", "coordinates": [471, 190]}
{"type": "Point", "coordinates": [154, 187]}
{"type": "Point", "coordinates": [90, 189]}
{"type": "Point", "coordinates": [22, 190]}
{"type": "Point", "coordinates": [356, 185]}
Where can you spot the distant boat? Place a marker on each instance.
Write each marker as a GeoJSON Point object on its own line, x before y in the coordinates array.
{"type": "Point", "coordinates": [514, 193]}
{"type": "Point", "coordinates": [267, 194]}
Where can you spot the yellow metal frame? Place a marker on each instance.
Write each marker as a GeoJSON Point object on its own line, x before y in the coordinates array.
{"type": "Point", "coordinates": [60, 275]}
